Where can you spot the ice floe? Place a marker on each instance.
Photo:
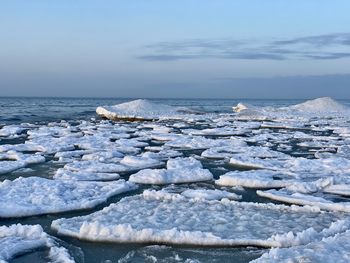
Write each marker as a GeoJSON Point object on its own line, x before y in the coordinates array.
{"type": "Point", "coordinates": [327, 250]}
{"type": "Point", "coordinates": [291, 197]}
{"type": "Point", "coordinates": [159, 217]}
{"type": "Point", "coordinates": [11, 161]}
{"type": "Point", "coordinates": [19, 239]}
{"type": "Point", "coordinates": [255, 179]}
{"type": "Point", "coordinates": [179, 170]}
{"type": "Point", "coordinates": [35, 195]}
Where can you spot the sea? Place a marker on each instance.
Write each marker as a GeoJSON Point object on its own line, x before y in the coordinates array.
{"type": "Point", "coordinates": [41, 111]}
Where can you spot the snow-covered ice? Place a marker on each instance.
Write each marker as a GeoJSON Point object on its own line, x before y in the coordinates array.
{"type": "Point", "coordinates": [179, 170]}
{"type": "Point", "coordinates": [36, 195]}
{"type": "Point", "coordinates": [255, 179]}
{"type": "Point", "coordinates": [327, 250]}
{"type": "Point", "coordinates": [287, 196]}
{"type": "Point", "coordinates": [160, 217]}
{"type": "Point", "coordinates": [19, 239]}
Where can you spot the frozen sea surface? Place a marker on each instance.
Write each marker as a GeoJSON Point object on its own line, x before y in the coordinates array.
{"type": "Point", "coordinates": [274, 174]}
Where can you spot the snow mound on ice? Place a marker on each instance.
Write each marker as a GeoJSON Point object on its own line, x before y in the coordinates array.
{"type": "Point", "coordinates": [325, 104]}
{"type": "Point", "coordinates": [140, 110]}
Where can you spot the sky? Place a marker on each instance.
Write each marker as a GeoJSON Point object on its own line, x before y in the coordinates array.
{"type": "Point", "coordinates": [175, 49]}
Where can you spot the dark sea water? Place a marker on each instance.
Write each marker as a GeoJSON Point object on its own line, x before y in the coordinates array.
{"type": "Point", "coordinates": [44, 110]}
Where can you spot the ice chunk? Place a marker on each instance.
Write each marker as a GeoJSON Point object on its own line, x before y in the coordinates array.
{"type": "Point", "coordinates": [210, 194]}
{"type": "Point", "coordinates": [95, 167]}
{"type": "Point", "coordinates": [255, 179]}
{"type": "Point", "coordinates": [328, 250]}
{"type": "Point", "coordinates": [179, 170]}
{"type": "Point", "coordinates": [140, 162]}
{"type": "Point", "coordinates": [35, 195]}
{"type": "Point", "coordinates": [286, 196]}
{"type": "Point", "coordinates": [175, 219]}
{"type": "Point", "coordinates": [140, 110]}
{"type": "Point", "coordinates": [15, 160]}
{"type": "Point", "coordinates": [338, 189]}
{"type": "Point", "coordinates": [64, 174]}
{"type": "Point", "coordinates": [20, 239]}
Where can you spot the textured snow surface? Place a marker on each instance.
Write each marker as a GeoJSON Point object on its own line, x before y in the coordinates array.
{"type": "Point", "coordinates": [140, 109]}
{"type": "Point", "coordinates": [35, 195]}
{"type": "Point", "coordinates": [179, 170]}
{"type": "Point", "coordinates": [160, 217]}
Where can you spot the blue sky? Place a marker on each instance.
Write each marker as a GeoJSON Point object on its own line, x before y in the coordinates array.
{"type": "Point", "coordinates": [183, 48]}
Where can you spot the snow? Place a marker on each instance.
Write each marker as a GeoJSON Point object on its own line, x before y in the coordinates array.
{"type": "Point", "coordinates": [34, 195]}
{"type": "Point", "coordinates": [140, 110]}
{"type": "Point", "coordinates": [179, 170]}
{"type": "Point", "coordinates": [155, 217]}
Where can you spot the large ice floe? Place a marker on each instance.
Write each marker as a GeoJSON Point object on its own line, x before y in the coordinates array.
{"type": "Point", "coordinates": [179, 170]}
{"type": "Point", "coordinates": [141, 110]}
{"type": "Point", "coordinates": [19, 239]}
{"type": "Point", "coordinates": [35, 195]}
{"type": "Point", "coordinates": [161, 217]}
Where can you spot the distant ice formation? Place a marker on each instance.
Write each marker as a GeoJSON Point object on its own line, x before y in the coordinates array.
{"type": "Point", "coordinates": [319, 106]}
{"type": "Point", "coordinates": [141, 110]}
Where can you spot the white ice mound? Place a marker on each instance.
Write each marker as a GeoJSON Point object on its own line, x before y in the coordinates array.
{"type": "Point", "coordinates": [155, 217]}
{"type": "Point", "coordinates": [19, 239]}
{"type": "Point", "coordinates": [241, 107]}
{"type": "Point", "coordinates": [324, 104]}
{"type": "Point", "coordinates": [35, 195]}
{"type": "Point", "coordinates": [328, 250]}
{"type": "Point", "coordinates": [321, 106]}
{"type": "Point", "coordinates": [140, 110]}
{"type": "Point", "coordinates": [179, 170]}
